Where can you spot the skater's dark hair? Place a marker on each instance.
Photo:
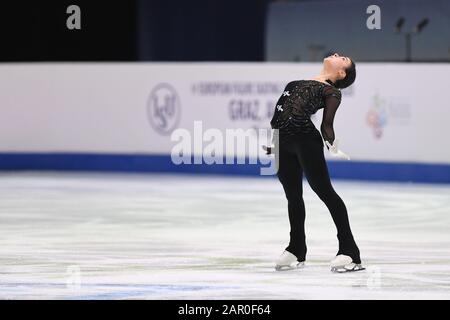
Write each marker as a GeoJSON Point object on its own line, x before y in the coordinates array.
{"type": "Point", "coordinates": [350, 75]}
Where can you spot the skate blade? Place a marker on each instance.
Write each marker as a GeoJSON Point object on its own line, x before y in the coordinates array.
{"type": "Point", "coordinates": [350, 268]}
{"type": "Point", "coordinates": [292, 267]}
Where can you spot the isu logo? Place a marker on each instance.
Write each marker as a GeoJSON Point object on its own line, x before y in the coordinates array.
{"type": "Point", "coordinates": [163, 108]}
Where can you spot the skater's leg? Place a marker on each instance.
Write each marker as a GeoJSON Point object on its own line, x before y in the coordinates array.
{"type": "Point", "coordinates": [290, 175]}
{"type": "Point", "coordinates": [311, 156]}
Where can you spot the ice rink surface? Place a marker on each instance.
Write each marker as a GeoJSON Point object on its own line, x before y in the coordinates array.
{"type": "Point", "coordinates": [162, 236]}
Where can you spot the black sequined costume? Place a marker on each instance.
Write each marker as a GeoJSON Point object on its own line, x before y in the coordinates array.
{"type": "Point", "coordinates": [300, 100]}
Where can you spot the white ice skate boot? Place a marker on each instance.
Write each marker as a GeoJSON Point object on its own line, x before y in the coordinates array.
{"type": "Point", "coordinates": [342, 263]}
{"type": "Point", "coordinates": [288, 261]}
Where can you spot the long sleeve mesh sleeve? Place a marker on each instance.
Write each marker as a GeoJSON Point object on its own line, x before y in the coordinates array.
{"type": "Point", "coordinates": [332, 98]}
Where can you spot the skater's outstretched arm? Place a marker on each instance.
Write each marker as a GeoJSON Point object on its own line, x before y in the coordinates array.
{"type": "Point", "coordinates": [332, 98]}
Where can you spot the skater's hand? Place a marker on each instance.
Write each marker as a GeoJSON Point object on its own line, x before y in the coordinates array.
{"type": "Point", "coordinates": [334, 151]}
{"type": "Point", "coordinates": [267, 149]}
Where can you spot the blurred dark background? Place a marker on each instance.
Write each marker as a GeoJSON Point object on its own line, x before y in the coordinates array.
{"type": "Point", "coordinates": [36, 31]}
{"type": "Point", "coordinates": [129, 30]}
{"type": "Point", "coordinates": [223, 30]}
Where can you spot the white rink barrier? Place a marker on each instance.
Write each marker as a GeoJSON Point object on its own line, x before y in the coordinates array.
{"type": "Point", "coordinates": [394, 114]}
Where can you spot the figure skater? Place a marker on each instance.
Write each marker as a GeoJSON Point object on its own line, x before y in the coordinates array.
{"type": "Point", "coordinates": [299, 151]}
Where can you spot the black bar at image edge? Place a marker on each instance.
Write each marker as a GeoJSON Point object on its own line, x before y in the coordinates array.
{"type": "Point", "coordinates": [224, 309]}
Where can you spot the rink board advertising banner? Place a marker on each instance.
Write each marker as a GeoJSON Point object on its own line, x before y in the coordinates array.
{"type": "Point", "coordinates": [135, 116]}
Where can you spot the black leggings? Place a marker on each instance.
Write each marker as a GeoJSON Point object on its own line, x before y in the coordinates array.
{"type": "Point", "coordinates": [304, 153]}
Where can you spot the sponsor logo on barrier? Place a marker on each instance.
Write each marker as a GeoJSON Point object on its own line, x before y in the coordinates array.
{"type": "Point", "coordinates": [395, 111]}
{"type": "Point", "coordinates": [377, 116]}
{"type": "Point", "coordinates": [163, 108]}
